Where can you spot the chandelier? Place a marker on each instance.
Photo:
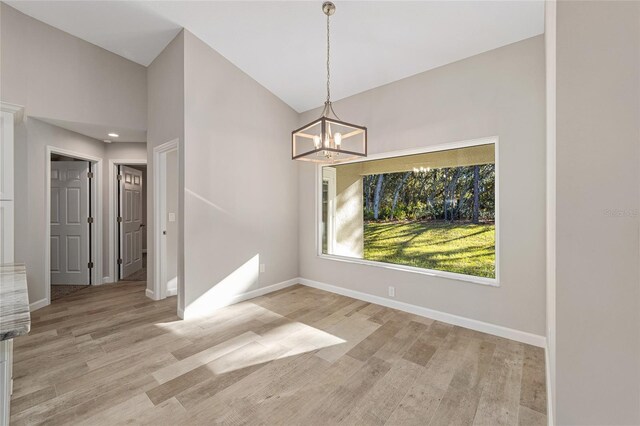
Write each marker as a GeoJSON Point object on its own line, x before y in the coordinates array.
{"type": "Point", "coordinates": [328, 139]}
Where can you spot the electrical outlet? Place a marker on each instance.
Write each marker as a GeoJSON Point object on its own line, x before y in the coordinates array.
{"type": "Point", "coordinates": [262, 268]}
{"type": "Point", "coordinates": [392, 291]}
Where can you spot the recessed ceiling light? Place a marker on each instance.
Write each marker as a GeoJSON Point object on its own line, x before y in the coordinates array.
{"type": "Point", "coordinates": [107, 141]}
{"type": "Point", "coordinates": [113, 135]}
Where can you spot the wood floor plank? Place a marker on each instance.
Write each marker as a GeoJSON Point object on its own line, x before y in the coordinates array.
{"type": "Point", "coordinates": [65, 406]}
{"type": "Point", "coordinates": [211, 387]}
{"type": "Point", "coordinates": [533, 394]}
{"type": "Point", "coordinates": [170, 412]}
{"type": "Point", "coordinates": [529, 417]}
{"type": "Point", "coordinates": [269, 385]}
{"type": "Point", "coordinates": [423, 397]}
{"type": "Point", "coordinates": [122, 413]}
{"type": "Point", "coordinates": [229, 403]}
{"type": "Point", "coordinates": [500, 398]}
{"type": "Point", "coordinates": [201, 358]}
{"type": "Point", "coordinates": [337, 405]}
{"type": "Point", "coordinates": [352, 330]}
{"type": "Point", "coordinates": [147, 361]}
{"type": "Point", "coordinates": [24, 402]}
{"type": "Point", "coordinates": [302, 396]}
{"type": "Point", "coordinates": [377, 405]}
{"type": "Point", "coordinates": [459, 403]}
{"type": "Point", "coordinates": [423, 348]}
{"type": "Point", "coordinates": [397, 346]}
{"type": "Point", "coordinates": [370, 345]}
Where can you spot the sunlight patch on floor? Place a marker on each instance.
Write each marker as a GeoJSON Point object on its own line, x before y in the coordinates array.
{"type": "Point", "coordinates": [247, 348]}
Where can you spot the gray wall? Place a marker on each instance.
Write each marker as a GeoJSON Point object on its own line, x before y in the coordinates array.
{"type": "Point", "coordinates": [598, 153]}
{"type": "Point", "coordinates": [240, 184]}
{"type": "Point", "coordinates": [165, 81]}
{"type": "Point", "coordinates": [55, 75]}
{"type": "Point", "coordinates": [497, 93]}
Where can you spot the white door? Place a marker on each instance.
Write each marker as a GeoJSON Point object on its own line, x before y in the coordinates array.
{"type": "Point", "coordinates": [69, 222]}
{"type": "Point", "coordinates": [131, 214]}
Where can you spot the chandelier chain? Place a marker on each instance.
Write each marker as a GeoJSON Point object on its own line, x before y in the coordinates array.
{"type": "Point", "coordinates": [328, 62]}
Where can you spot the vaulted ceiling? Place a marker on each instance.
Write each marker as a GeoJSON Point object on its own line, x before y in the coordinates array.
{"type": "Point", "coordinates": [282, 44]}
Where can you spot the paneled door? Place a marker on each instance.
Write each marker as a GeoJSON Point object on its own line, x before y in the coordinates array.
{"type": "Point", "coordinates": [70, 222]}
{"type": "Point", "coordinates": [131, 220]}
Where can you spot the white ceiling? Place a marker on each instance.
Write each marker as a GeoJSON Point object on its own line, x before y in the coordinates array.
{"type": "Point", "coordinates": [99, 131]}
{"type": "Point", "coordinates": [282, 44]}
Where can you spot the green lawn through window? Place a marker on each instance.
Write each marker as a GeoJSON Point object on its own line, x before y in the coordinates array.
{"type": "Point", "coordinates": [464, 248]}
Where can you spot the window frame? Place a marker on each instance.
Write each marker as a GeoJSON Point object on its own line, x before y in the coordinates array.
{"type": "Point", "coordinates": [492, 282]}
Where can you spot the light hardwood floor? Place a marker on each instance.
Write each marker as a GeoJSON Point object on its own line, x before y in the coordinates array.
{"type": "Point", "coordinates": [109, 355]}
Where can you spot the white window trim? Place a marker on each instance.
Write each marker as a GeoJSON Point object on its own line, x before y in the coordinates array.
{"type": "Point", "coordinates": [330, 176]}
{"type": "Point", "coordinates": [492, 282]}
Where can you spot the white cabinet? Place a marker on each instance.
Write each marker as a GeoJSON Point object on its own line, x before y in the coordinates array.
{"type": "Point", "coordinates": [6, 153]}
{"type": "Point", "coordinates": [9, 114]}
{"type": "Point", "coordinates": [6, 383]}
{"type": "Point", "coordinates": [6, 231]}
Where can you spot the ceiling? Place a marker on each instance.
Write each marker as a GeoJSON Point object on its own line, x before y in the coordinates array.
{"type": "Point", "coordinates": [282, 44]}
{"type": "Point", "coordinates": [99, 131]}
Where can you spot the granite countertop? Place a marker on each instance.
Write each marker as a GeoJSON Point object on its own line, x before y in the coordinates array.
{"type": "Point", "coordinates": [15, 319]}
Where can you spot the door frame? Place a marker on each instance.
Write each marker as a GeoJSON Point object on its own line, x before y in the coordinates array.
{"type": "Point", "coordinates": [96, 226]}
{"type": "Point", "coordinates": [113, 229]}
{"type": "Point", "coordinates": [159, 213]}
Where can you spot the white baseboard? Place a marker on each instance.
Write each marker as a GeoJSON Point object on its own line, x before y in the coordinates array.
{"type": "Point", "coordinates": [550, 418]}
{"type": "Point", "coordinates": [151, 295]}
{"type": "Point", "coordinates": [38, 304]}
{"type": "Point", "coordinates": [484, 327]}
{"type": "Point", "coordinates": [172, 287]}
{"type": "Point", "coordinates": [240, 298]}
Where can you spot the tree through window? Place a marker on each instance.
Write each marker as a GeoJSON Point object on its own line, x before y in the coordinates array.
{"type": "Point", "coordinates": [434, 210]}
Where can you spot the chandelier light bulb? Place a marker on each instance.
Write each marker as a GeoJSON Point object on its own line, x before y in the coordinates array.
{"type": "Point", "coordinates": [337, 138]}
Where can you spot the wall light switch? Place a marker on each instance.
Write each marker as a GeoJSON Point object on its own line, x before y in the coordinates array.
{"type": "Point", "coordinates": [261, 268]}
{"type": "Point", "coordinates": [392, 291]}
{"type": "Point", "coordinates": [172, 217]}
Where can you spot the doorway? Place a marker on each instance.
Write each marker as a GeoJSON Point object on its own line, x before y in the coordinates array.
{"type": "Point", "coordinates": [166, 219]}
{"type": "Point", "coordinates": [73, 219]}
{"type": "Point", "coordinates": [131, 222]}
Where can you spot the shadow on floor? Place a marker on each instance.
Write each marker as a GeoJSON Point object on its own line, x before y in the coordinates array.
{"type": "Point", "coordinates": [58, 291]}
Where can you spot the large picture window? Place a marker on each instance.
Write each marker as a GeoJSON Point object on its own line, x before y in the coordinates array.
{"type": "Point", "coordinates": [434, 211]}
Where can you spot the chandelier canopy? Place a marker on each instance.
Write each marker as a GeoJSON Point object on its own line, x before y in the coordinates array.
{"type": "Point", "coordinates": [328, 139]}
